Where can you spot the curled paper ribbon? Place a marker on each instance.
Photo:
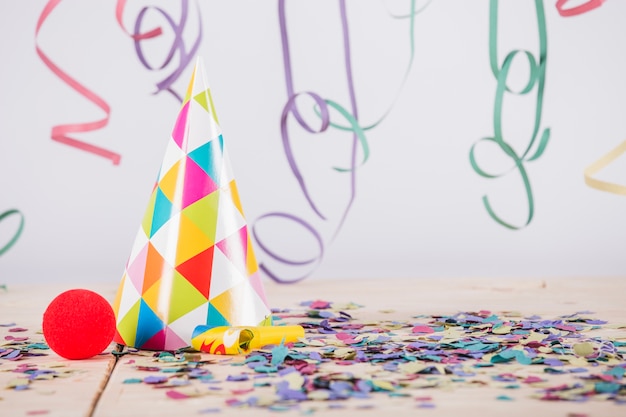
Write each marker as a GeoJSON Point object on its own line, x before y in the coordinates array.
{"type": "Point", "coordinates": [225, 340]}
{"type": "Point", "coordinates": [323, 109]}
{"type": "Point", "coordinates": [119, 13]}
{"type": "Point", "coordinates": [599, 165]}
{"type": "Point", "coordinates": [60, 133]}
{"type": "Point", "coordinates": [312, 261]}
{"type": "Point", "coordinates": [18, 232]}
{"type": "Point", "coordinates": [413, 12]}
{"type": "Point", "coordinates": [536, 78]}
{"type": "Point", "coordinates": [178, 43]}
{"type": "Point", "coordinates": [580, 9]}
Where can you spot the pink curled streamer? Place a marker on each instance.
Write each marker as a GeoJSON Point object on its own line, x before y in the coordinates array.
{"type": "Point", "coordinates": [574, 11]}
{"type": "Point", "coordinates": [119, 12]}
{"type": "Point", "coordinates": [60, 133]}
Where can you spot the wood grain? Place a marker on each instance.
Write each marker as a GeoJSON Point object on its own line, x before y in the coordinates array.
{"type": "Point", "coordinates": [385, 299]}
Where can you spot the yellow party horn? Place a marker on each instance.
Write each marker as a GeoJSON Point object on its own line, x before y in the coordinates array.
{"type": "Point", "coordinates": [224, 340]}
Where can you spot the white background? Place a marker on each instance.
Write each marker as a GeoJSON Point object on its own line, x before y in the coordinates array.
{"type": "Point", "coordinates": [417, 211]}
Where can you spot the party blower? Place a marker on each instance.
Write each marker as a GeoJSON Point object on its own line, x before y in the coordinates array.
{"type": "Point", "coordinates": [192, 263]}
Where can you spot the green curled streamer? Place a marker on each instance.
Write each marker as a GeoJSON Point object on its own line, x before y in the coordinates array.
{"type": "Point", "coordinates": [536, 77]}
{"type": "Point", "coordinates": [411, 16]}
{"type": "Point", "coordinates": [17, 234]}
{"type": "Point", "coordinates": [355, 128]}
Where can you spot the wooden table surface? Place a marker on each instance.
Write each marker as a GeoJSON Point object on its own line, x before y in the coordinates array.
{"type": "Point", "coordinates": [103, 386]}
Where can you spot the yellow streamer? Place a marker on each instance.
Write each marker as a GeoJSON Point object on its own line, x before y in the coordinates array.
{"type": "Point", "coordinates": [599, 165]}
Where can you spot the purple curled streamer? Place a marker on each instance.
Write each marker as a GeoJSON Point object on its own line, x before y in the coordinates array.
{"type": "Point", "coordinates": [291, 108]}
{"type": "Point", "coordinates": [277, 257]}
{"type": "Point", "coordinates": [178, 45]}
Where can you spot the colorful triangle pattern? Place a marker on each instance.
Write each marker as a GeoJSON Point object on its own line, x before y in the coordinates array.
{"type": "Point", "coordinates": [192, 262]}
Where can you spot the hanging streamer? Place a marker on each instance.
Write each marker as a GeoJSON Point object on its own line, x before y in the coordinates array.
{"type": "Point", "coordinates": [599, 165]}
{"type": "Point", "coordinates": [413, 12]}
{"type": "Point", "coordinates": [322, 109]}
{"type": "Point", "coordinates": [580, 9]}
{"type": "Point", "coordinates": [18, 232]}
{"type": "Point", "coordinates": [178, 43]}
{"type": "Point", "coordinates": [607, 159]}
{"type": "Point", "coordinates": [536, 78]}
{"type": "Point", "coordinates": [60, 133]}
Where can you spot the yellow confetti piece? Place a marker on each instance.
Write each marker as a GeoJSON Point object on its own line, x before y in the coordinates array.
{"type": "Point", "coordinates": [44, 377]}
{"type": "Point", "coordinates": [383, 385]}
{"type": "Point", "coordinates": [295, 380]}
{"type": "Point", "coordinates": [578, 362]}
{"type": "Point", "coordinates": [344, 353]}
{"type": "Point", "coordinates": [583, 349]}
{"type": "Point", "coordinates": [534, 337]}
{"type": "Point", "coordinates": [313, 342]}
{"type": "Point", "coordinates": [53, 365]}
{"type": "Point", "coordinates": [17, 382]}
{"type": "Point", "coordinates": [411, 367]}
{"type": "Point", "coordinates": [318, 395]}
{"type": "Point", "coordinates": [502, 330]}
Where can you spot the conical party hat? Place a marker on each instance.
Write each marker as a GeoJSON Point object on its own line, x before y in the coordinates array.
{"type": "Point", "coordinates": [192, 262]}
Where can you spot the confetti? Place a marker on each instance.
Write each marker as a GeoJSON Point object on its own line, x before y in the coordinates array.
{"type": "Point", "coordinates": [344, 358]}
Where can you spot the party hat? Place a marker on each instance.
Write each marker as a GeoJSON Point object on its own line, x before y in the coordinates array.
{"type": "Point", "coordinates": [192, 262]}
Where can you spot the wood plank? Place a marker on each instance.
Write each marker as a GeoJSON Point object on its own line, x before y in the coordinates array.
{"type": "Point", "coordinates": [72, 394]}
{"type": "Point", "coordinates": [400, 300]}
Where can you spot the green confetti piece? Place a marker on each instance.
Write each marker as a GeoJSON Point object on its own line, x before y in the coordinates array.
{"type": "Point", "coordinates": [133, 381]}
{"type": "Point", "coordinates": [618, 372]}
{"type": "Point", "coordinates": [279, 353]}
{"type": "Point", "coordinates": [607, 387]}
{"type": "Point", "coordinates": [265, 369]}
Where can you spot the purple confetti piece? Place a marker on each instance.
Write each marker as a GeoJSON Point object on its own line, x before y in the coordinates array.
{"type": "Point", "coordinates": [155, 379]}
{"type": "Point", "coordinates": [209, 411]}
{"type": "Point", "coordinates": [237, 378]}
{"type": "Point", "coordinates": [13, 355]}
{"type": "Point", "coordinates": [596, 321]}
{"type": "Point", "coordinates": [553, 362]}
{"type": "Point", "coordinates": [286, 371]}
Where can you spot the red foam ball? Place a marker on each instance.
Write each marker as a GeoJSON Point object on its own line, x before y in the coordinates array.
{"type": "Point", "coordinates": [78, 324]}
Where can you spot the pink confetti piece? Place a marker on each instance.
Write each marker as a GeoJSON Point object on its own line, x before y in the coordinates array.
{"type": "Point", "coordinates": [565, 327]}
{"type": "Point", "coordinates": [15, 339]}
{"type": "Point", "coordinates": [242, 391]}
{"type": "Point", "coordinates": [422, 329]}
{"type": "Point", "coordinates": [319, 305]}
{"type": "Point", "coordinates": [532, 380]}
{"type": "Point", "coordinates": [37, 412]}
{"type": "Point", "coordinates": [17, 330]}
{"type": "Point", "coordinates": [176, 395]}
